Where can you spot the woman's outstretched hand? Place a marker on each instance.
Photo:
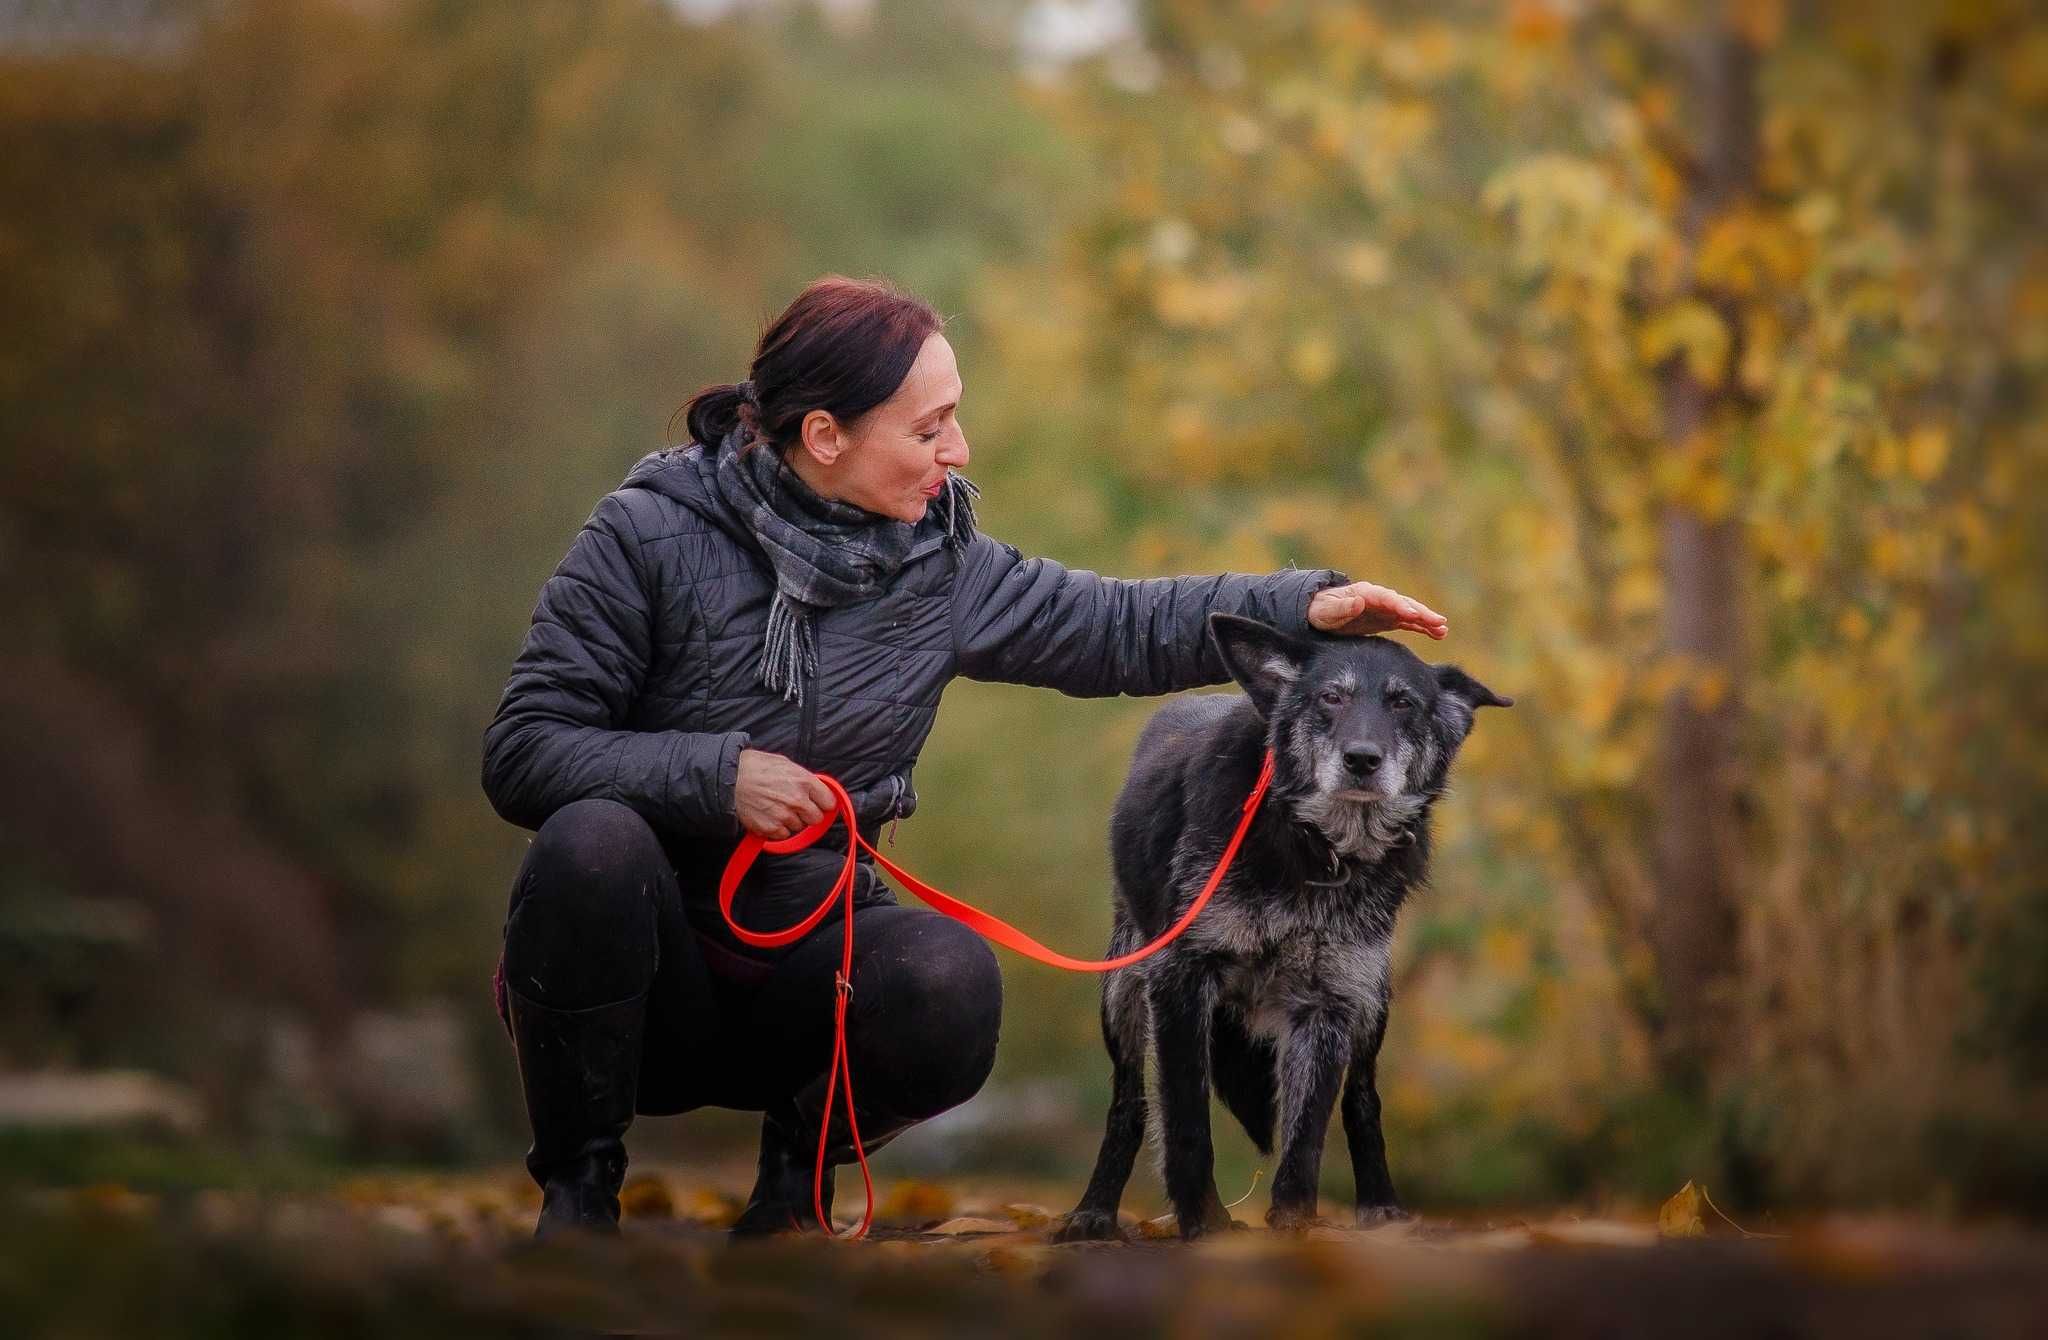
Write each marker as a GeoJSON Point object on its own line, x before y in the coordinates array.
{"type": "Point", "coordinates": [777, 797]}
{"type": "Point", "coordinates": [1362, 608]}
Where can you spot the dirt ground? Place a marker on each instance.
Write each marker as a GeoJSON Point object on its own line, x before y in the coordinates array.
{"type": "Point", "coordinates": [405, 1256]}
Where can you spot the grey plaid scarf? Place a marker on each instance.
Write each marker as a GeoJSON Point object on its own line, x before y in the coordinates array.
{"type": "Point", "coordinates": [825, 552]}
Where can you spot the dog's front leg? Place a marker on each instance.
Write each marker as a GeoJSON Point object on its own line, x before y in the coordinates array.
{"type": "Point", "coordinates": [1377, 1203]}
{"type": "Point", "coordinates": [1312, 1059]}
{"type": "Point", "coordinates": [1182, 994]}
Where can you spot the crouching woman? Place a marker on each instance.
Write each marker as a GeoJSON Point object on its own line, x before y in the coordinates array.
{"type": "Point", "coordinates": [788, 594]}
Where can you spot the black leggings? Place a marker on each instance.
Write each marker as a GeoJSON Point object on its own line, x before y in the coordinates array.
{"type": "Point", "coordinates": [597, 916]}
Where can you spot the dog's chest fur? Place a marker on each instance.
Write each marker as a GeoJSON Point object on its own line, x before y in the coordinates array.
{"type": "Point", "coordinates": [1288, 952]}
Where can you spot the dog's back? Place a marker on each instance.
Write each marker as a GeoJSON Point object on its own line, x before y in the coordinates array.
{"type": "Point", "coordinates": [1176, 760]}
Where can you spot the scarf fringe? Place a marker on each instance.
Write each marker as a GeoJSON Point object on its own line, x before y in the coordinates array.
{"type": "Point", "coordinates": [960, 496]}
{"type": "Point", "coordinates": [789, 656]}
{"type": "Point", "coordinates": [789, 653]}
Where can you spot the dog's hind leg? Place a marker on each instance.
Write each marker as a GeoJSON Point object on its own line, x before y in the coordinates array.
{"type": "Point", "coordinates": [1243, 1068]}
{"type": "Point", "coordinates": [1377, 1203]}
{"type": "Point", "coordinates": [1123, 1032]}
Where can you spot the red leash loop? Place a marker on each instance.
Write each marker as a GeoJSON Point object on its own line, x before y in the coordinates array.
{"type": "Point", "coordinates": [840, 1078]}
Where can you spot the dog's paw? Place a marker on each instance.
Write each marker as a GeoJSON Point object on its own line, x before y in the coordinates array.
{"type": "Point", "coordinates": [1214, 1218]}
{"type": "Point", "coordinates": [1087, 1226]}
{"type": "Point", "coordinates": [1375, 1216]}
{"type": "Point", "coordinates": [1293, 1218]}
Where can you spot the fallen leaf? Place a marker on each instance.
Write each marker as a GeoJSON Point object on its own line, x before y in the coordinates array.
{"type": "Point", "coordinates": [710, 1207]}
{"type": "Point", "coordinates": [915, 1202]}
{"type": "Point", "coordinates": [1680, 1216]}
{"type": "Point", "coordinates": [1165, 1226]}
{"type": "Point", "coordinates": [971, 1224]}
{"type": "Point", "coordinates": [647, 1198]}
{"type": "Point", "coordinates": [1030, 1216]}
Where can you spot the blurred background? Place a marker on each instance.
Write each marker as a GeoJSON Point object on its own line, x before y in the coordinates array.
{"type": "Point", "coordinates": [1689, 357]}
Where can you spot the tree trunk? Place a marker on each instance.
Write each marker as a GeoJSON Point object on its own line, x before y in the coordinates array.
{"type": "Point", "coordinates": [1698, 846]}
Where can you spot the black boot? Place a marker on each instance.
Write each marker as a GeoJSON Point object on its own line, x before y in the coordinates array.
{"type": "Point", "coordinates": [580, 1070]}
{"type": "Point", "coordinates": [781, 1200]}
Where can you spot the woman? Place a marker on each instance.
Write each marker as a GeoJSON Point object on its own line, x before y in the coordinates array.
{"type": "Point", "coordinates": [789, 593]}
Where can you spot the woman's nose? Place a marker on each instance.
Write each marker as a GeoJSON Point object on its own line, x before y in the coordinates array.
{"type": "Point", "coordinates": [953, 451]}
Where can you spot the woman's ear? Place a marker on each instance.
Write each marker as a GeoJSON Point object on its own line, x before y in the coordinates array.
{"type": "Point", "coordinates": [822, 436]}
{"type": "Point", "coordinates": [1261, 658]}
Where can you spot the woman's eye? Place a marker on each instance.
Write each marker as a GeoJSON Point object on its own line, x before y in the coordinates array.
{"type": "Point", "coordinates": [926, 437]}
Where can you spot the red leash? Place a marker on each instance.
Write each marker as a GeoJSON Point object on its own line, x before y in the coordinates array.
{"type": "Point", "coordinates": [840, 1077]}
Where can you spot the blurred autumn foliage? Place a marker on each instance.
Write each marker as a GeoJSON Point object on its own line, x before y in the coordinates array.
{"type": "Point", "coordinates": [1689, 357]}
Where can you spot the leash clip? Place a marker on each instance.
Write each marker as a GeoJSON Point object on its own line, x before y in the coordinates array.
{"type": "Point", "coordinates": [842, 984]}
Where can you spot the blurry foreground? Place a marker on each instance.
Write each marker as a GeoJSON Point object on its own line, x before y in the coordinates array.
{"type": "Point", "coordinates": [443, 1256]}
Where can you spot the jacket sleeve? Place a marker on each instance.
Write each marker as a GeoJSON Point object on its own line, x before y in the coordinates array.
{"type": "Point", "coordinates": [1031, 621]}
{"type": "Point", "coordinates": [558, 735]}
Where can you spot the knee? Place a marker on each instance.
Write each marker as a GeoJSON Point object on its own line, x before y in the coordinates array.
{"type": "Point", "coordinates": [593, 843]}
{"type": "Point", "coordinates": [942, 1012]}
{"type": "Point", "coordinates": [582, 928]}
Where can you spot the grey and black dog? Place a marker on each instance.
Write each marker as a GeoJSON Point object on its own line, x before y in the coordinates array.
{"type": "Point", "coordinates": [1278, 992]}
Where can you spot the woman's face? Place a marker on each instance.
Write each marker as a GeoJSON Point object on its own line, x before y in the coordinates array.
{"type": "Point", "coordinates": [894, 459]}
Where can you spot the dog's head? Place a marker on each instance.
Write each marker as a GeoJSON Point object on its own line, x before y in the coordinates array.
{"type": "Point", "coordinates": [1363, 729]}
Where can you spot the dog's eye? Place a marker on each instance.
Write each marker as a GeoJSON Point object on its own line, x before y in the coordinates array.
{"type": "Point", "coordinates": [1400, 702]}
{"type": "Point", "coordinates": [1330, 698]}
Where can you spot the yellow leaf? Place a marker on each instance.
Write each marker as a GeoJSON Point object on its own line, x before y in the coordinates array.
{"type": "Point", "coordinates": [1313, 360]}
{"type": "Point", "coordinates": [1762, 340]}
{"type": "Point", "coordinates": [1534, 23]}
{"type": "Point", "coordinates": [1693, 329]}
{"type": "Point", "coordinates": [1165, 1226]}
{"type": "Point", "coordinates": [1709, 686]}
{"type": "Point", "coordinates": [1029, 1216]}
{"type": "Point", "coordinates": [1680, 1216]}
{"type": "Point", "coordinates": [647, 1198]}
{"type": "Point", "coordinates": [1762, 22]}
{"type": "Point", "coordinates": [1927, 451]}
{"type": "Point", "coordinates": [913, 1201]}
{"type": "Point", "coordinates": [954, 1228]}
{"type": "Point", "coordinates": [1366, 264]}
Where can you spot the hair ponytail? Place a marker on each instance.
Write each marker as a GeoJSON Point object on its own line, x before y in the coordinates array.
{"type": "Point", "coordinates": [717, 410]}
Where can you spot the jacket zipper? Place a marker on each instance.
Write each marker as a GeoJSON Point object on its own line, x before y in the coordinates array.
{"type": "Point", "coordinates": [810, 714]}
{"type": "Point", "coordinates": [810, 722]}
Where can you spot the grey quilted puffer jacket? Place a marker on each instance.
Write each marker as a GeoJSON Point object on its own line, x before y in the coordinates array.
{"type": "Point", "coordinates": [639, 679]}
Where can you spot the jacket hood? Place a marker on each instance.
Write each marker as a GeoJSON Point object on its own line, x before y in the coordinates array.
{"type": "Point", "coordinates": [675, 472]}
{"type": "Point", "coordinates": [672, 472]}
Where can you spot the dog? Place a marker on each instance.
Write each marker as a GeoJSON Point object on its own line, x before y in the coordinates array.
{"type": "Point", "coordinates": [1277, 994]}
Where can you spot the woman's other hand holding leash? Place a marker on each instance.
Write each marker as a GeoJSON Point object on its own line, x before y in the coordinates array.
{"type": "Point", "coordinates": [777, 797]}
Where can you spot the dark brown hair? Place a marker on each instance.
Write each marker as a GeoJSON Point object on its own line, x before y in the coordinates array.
{"type": "Point", "coordinates": [843, 345]}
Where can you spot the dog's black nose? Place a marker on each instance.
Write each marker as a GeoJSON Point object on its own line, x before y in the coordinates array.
{"type": "Point", "coordinates": [1363, 760]}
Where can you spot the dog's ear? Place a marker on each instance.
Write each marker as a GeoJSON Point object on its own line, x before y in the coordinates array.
{"type": "Point", "coordinates": [1454, 681]}
{"type": "Point", "coordinates": [1458, 696]}
{"type": "Point", "coordinates": [1261, 658]}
